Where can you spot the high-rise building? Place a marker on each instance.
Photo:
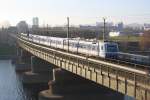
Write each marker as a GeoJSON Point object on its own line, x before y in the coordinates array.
{"type": "Point", "coordinates": [35, 22]}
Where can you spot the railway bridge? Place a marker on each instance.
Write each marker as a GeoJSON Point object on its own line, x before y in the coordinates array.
{"type": "Point", "coordinates": [121, 78]}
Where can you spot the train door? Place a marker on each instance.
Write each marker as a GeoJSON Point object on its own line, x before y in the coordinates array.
{"type": "Point", "coordinates": [102, 50]}
{"type": "Point", "coordinates": [63, 43]}
{"type": "Point", "coordinates": [77, 46]}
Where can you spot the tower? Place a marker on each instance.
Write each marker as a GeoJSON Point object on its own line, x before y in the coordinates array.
{"type": "Point", "coordinates": [35, 22]}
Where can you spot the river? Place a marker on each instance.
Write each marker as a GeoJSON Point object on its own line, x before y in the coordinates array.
{"type": "Point", "coordinates": [11, 87]}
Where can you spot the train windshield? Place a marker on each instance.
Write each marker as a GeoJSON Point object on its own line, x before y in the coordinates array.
{"type": "Point", "coordinates": [112, 48]}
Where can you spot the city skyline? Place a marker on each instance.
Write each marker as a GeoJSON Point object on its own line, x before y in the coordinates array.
{"type": "Point", "coordinates": [80, 11]}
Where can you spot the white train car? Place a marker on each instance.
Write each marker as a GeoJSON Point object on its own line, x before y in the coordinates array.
{"type": "Point", "coordinates": [73, 45]}
{"type": "Point", "coordinates": [100, 48]}
{"type": "Point", "coordinates": [56, 42]}
{"type": "Point", "coordinates": [88, 48]}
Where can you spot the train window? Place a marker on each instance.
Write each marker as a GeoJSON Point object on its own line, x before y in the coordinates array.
{"type": "Point", "coordinates": [81, 45]}
{"type": "Point", "coordinates": [85, 46]}
{"type": "Point", "coordinates": [59, 42]}
{"type": "Point", "coordinates": [102, 47]}
{"type": "Point", "coordinates": [70, 44]}
{"type": "Point", "coordinates": [93, 48]}
{"type": "Point", "coordinates": [111, 48]}
{"type": "Point", "coordinates": [77, 45]}
{"type": "Point", "coordinates": [89, 47]}
{"type": "Point", "coordinates": [65, 43]}
{"type": "Point", "coordinates": [73, 44]}
{"type": "Point", "coordinates": [53, 41]}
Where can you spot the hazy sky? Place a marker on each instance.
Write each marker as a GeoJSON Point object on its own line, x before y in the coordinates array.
{"type": "Point", "coordinates": [54, 12]}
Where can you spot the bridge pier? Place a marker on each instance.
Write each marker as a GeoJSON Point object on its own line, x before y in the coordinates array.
{"type": "Point", "coordinates": [40, 72]}
{"type": "Point", "coordinates": [22, 61]}
{"type": "Point", "coordinates": [68, 86]}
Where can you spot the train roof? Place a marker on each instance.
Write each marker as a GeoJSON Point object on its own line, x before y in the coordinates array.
{"type": "Point", "coordinates": [74, 39]}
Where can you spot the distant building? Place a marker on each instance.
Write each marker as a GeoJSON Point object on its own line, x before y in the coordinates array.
{"type": "Point", "coordinates": [101, 24]}
{"type": "Point", "coordinates": [135, 26]}
{"type": "Point", "coordinates": [22, 27]}
{"type": "Point", "coordinates": [87, 27]}
{"type": "Point", "coordinates": [120, 26]}
{"type": "Point", "coordinates": [35, 22]}
{"type": "Point", "coordinates": [109, 26]}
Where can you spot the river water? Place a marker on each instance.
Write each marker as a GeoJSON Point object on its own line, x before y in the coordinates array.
{"type": "Point", "coordinates": [11, 87]}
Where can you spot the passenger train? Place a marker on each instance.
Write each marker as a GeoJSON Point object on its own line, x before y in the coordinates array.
{"type": "Point", "coordinates": [97, 49]}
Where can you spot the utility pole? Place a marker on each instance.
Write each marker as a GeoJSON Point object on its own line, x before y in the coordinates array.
{"type": "Point", "coordinates": [68, 32]}
{"type": "Point", "coordinates": [47, 29]}
{"type": "Point", "coordinates": [28, 32]}
{"type": "Point", "coordinates": [104, 31]}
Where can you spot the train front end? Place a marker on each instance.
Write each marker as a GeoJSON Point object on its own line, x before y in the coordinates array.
{"type": "Point", "coordinates": [111, 50]}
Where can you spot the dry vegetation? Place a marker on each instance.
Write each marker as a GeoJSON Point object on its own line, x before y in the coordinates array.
{"type": "Point", "coordinates": [145, 41]}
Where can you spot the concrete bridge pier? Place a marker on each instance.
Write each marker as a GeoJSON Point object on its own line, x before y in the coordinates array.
{"type": "Point", "coordinates": [22, 61]}
{"type": "Point", "coordinates": [67, 86]}
{"type": "Point", "coordinates": [57, 85]}
{"type": "Point", "coordinates": [41, 72]}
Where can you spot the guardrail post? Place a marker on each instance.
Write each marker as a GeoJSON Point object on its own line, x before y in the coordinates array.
{"type": "Point", "coordinates": [109, 76]}
{"type": "Point", "coordinates": [117, 80]}
{"type": "Point", "coordinates": [126, 83]}
{"type": "Point", "coordinates": [135, 85]}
